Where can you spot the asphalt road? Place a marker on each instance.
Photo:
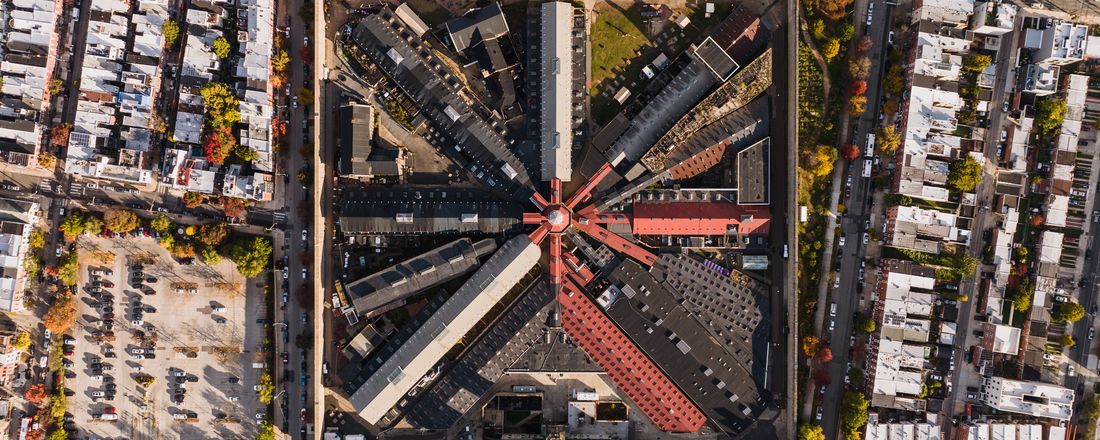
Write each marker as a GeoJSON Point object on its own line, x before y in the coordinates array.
{"type": "Point", "coordinates": [853, 227]}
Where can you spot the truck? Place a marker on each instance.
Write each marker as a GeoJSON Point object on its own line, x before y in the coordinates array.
{"type": "Point", "coordinates": [105, 417]}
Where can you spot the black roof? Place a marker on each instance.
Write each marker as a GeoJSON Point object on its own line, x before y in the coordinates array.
{"type": "Point", "coordinates": [476, 26]}
{"type": "Point", "coordinates": [356, 133]}
{"type": "Point", "coordinates": [425, 211]}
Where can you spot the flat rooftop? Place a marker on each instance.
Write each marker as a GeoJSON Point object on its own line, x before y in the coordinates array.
{"type": "Point", "coordinates": [386, 211]}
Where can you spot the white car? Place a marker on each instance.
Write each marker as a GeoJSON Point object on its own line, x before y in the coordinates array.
{"type": "Point", "coordinates": [137, 351]}
{"type": "Point", "coordinates": [305, 235]}
{"type": "Point", "coordinates": [304, 273]}
{"type": "Point", "coordinates": [841, 241]}
{"type": "Point", "coordinates": [179, 374]}
{"type": "Point", "coordinates": [98, 394]}
{"type": "Point", "coordinates": [139, 369]}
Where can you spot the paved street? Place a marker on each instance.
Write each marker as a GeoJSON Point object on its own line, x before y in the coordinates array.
{"type": "Point", "coordinates": [853, 227]}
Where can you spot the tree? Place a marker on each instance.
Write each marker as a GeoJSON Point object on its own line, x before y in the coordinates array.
{"type": "Point", "coordinates": [810, 432]}
{"type": "Point", "coordinates": [37, 240]}
{"type": "Point", "coordinates": [305, 177]}
{"type": "Point", "coordinates": [182, 249]}
{"type": "Point", "coordinates": [252, 255]}
{"type": "Point", "coordinates": [278, 127]}
{"type": "Point", "coordinates": [817, 29]}
{"type": "Point", "coordinates": [221, 105]}
{"type": "Point", "coordinates": [975, 63]}
{"type": "Point", "coordinates": [856, 377]}
{"type": "Point", "coordinates": [210, 255]}
{"type": "Point", "coordinates": [55, 86]}
{"type": "Point", "coordinates": [1021, 299]}
{"type": "Point", "coordinates": [280, 60]}
{"type": "Point", "coordinates": [265, 431]}
{"type": "Point", "coordinates": [92, 224]}
{"type": "Point", "coordinates": [67, 268]}
{"type": "Point", "coordinates": [865, 324]}
{"type": "Point", "coordinates": [305, 96]}
{"type": "Point", "coordinates": [825, 354]}
{"type": "Point", "coordinates": [145, 380]}
{"type": "Point", "coordinates": [892, 83]}
{"type": "Point", "coordinates": [47, 160]}
{"type": "Point", "coordinates": [850, 152]}
{"type": "Point", "coordinates": [846, 32]}
{"type": "Point", "coordinates": [234, 207]}
{"type": "Point", "coordinates": [213, 234]}
{"type": "Point", "coordinates": [217, 144]}
{"type": "Point", "coordinates": [821, 377]}
{"type": "Point", "coordinates": [859, 67]}
{"type": "Point", "coordinates": [161, 223]}
{"type": "Point", "coordinates": [221, 47]}
{"type": "Point", "coordinates": [267, 389]}
{"type": "Point", "coordinates": [59, 134]}
{"type": "Point", "coordinates": [32, 265]}
{"type": "Point", "coordinates": [121, 220]}
{"type": "Point", "coordinates": [72, 225]}
{"type": "Point", "coordinates": [167, 241]}
{"type": "Point", "coordinates": [834, 9]}
{"type": "Point", "coordinates": [1049, 114]}
{"type": "Point", "coordinates": [964, 175]}
{"type": "Point", "coordinates": [61, 315]}
{"type": "Point", "coordinates": [890, 107]}
{"type": "Point", "coordinates": [1067, 341]}
{"type": "Point", "coordinates": [1067, 312]}
{"type": "Point", "coordinates": [864, 45]}
{"type": "Point", "coordinates": [810, 344]}
{"type": "Point", "coordinates": [853, 413]}
{"type": "Point", "coordinates": [245, 153]}
{"type": "Point", "coordinates": [858, 87]}
{"type": "Point", "coordinates": [889, 140]}
{"type": "Point", "coordinates": [171, 29]}
{"type": "Point", "coordinates": [22, 341]}
{"type": "Point", "coordinates": [857, 105]}
{"type": "Point", "coordinates": [192, 200]}
{"type": "Point", "coordinates": [35, 393]}
{"type": "Point", "coordinates": [830, 49]}
{"type": "Point", "coordinates": [58, 433]}
{"type": "Point", "coordinates": [820, 163]}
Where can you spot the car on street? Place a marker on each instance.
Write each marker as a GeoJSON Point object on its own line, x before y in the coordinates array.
{"type": "Point", "coordinates": [842, 241]}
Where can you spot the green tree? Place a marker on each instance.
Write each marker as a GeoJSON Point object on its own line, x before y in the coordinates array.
{"type": "Point", "coordinates": [22, 341]}
{"type": "Point", "coordinates": [251, 255]}
{"type": "Point", "coordinates": [964, 175]}
{"type": "Point", "coordinates": [975, 63]}
{"type": "Point", "coordinates": [171, 29]}
{"type": "Point", "coordinates": [846, 32]}
{"type": "Point", "coordinates": [32, 265]}
{"type": "Point", "coordinates": [72, 225]}
{"type": "Point", "coordinates": [221, 47]}
{"type": "Point", "coordinates": [37, 240]}
{"type": "Point", "coordinates": [245, 153]}
{"type": "Point", "coordinates": [265, 431]}
{"type": "Point", "coordinates": [121, 220]}
{"type": "Point", "coordinates": [853, 413]}
{"type": "Point", "coordinates": [67, 269]}
{"type": "Point", "coordinates": [210, 255]}
{"type": "Point", "coordinates": [221, 105]}
{"type": "Point", "coordinates": [93, 224]}
{"type": "Point", "coordinates": [830, 49]}
{"type": "Point", "coordinates": [58, 433]}
{"type": "Point", "coordinates": [1067, 312]}
{"type": "Point", "coordinates": [1049, 114]}
{"type": "Point", "coordinates": [161, 223]}
{"type": "Point", "coordinates": [145, 380]}
{"type": "Point", "coordinates": [807, 431]}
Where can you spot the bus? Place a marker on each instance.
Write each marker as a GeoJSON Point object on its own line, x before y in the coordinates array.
{"type": "Point", "coordinates": [870, 151]}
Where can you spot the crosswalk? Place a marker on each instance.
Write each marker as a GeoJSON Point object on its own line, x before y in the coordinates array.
{"type": "Point", "coordinates": [76, 189]}
{"type": "Point", "coordinates": [45, 187]}
{"type": "Point", "coordinates": [279, 217]}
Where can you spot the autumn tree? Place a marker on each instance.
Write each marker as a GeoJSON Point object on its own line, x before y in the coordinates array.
{"type": "Point", "coordinates": [305, 95]}
{"type": "Point", "coordinates": [810, 432]}
{"type": "Point", "coordinates": [857, 105]}
{"type": "Point", "coordinates": [234, 207]}
{"type": "Point", "coordinates": [280, 60]}
{"type": "Point", "coordinates": [22, 341]}
{"type": "Point", "coordinates": [820, 161]}
{"type": "Point", "coordinates": [850, 152]}
{"type": "Point", "coordinates": [35, 393]}
{"type": "Point", "coordinates": [859, 67]}
{"type": "Point", "coordinates": [821, 377]}
{"type": "Point", "coordinates": [171, 30]}
{"type": "Point", "coordinates": [892, 82]}
{"type": "Point", "coordinates": [182, 249]}
{"type": "Point", "coordinates": [864, 45]}
{"type": "Point", "coordinates": [59, 134]}
{"type": "Point", "coordinates": [192, 200]}
{"type": "Point", "coordinates": [1067, 312]}
{"type": "Point", "coordinates": [1066, 341]}
{"type": "Point", "coordinates": [61, 315]}
{"type": "Point", "coordinates": [245, 153]}
{"type": "Point", "coordinates": [964, 175]}
{"type": "Point", "coordinates": [858, 87]}
{"type": "Point", "coordinates": [221, 105]}
{"type": "Point", "coordinates": [37, 240]}
{"type": "Point", "coordinates": [809, 345]}
{"type": "Point", "coordinates": [825, 354]}
{"type": "Point", "coordinates": [221, 47]}
{"type": "Point", "coordinates": [161, 223]}
{"type": "Point", "coordinates": [889, 140]}
{"type": "Point", "coordinates": [213, 234]}
{"type": "Point", "coordinates": [833, 9]}
{"type": "Point", "coordinates": [121, 220]}
{"type": "Point", "coordinates": [217, 145]}
{"type": "Point", "coordinates": [47, 160]}
{"type": "Point", "coordinates": [830, 49]}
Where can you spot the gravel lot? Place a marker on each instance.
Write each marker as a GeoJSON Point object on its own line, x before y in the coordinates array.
{"type": "Point", "coordinates": [206, 341]}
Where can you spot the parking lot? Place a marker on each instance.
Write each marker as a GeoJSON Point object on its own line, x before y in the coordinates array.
{"type": "Point", "coordinates": [189, 327]}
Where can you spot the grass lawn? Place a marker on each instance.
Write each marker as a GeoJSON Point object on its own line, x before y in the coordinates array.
{"type": "Point", "coordinates": [615, 39]}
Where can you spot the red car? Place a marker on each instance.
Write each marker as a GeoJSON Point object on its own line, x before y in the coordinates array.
{"type": "Point", "coordinates": [109, 410]}
{"type": "Point", "coordinates": [68, 353]}
{"type": "Point", "coordinates": [108, 284]}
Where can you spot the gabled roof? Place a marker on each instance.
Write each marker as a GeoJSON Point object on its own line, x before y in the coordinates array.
{"type": "Point", "coordinates": [476, 26]}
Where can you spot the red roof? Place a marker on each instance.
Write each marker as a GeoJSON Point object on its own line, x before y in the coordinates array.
{"type": "Point", "coordinates": [633, 373]}
{"type": "Point", "coordinates": [699, 218]}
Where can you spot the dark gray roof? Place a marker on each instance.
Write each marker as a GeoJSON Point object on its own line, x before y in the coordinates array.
{"type": "Point", "coordinates": [358, 370]}
{"type": "Point", "coordinates": [484, 362]}
{"type": "Point", "coordinates": [753, 179]}
{"type": "Point", "coordinates": [714, 374]}
{"type": "Point", "coordinates": [356, 133]}
{"type": "Point", "coordinates": [410, 277]}
{"type": "Point", "coordinates": [476, 26]}
{"type": "Point", "coordinates": [425, 211]}
{"type": "Point", "coordinates": [716, 58]}
{"type": "Point", "coordinates": [432, 85]}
